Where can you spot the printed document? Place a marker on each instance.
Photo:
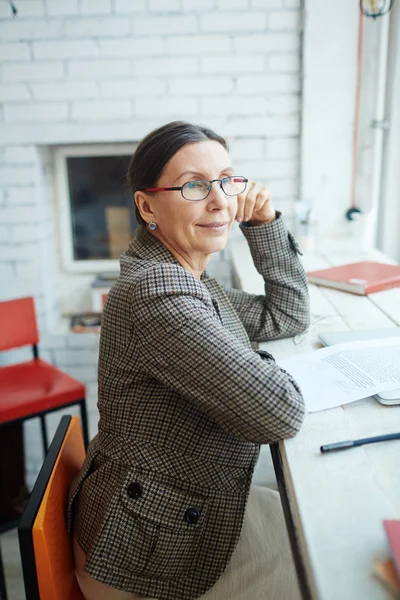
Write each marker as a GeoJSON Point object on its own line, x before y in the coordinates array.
{"type": "Point", "coordinates": [346, 372]}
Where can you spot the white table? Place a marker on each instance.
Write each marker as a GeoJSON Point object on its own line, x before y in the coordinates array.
{"type": "Point", "coordinates": [337, 501]}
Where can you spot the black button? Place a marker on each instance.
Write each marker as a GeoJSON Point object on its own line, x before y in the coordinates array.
{"type": "Point", "coordinates": [134, 490]}
{"type": "Point", "coordinates": [265, 354]}
{"type": "Point", "coordinates": [192, 515]}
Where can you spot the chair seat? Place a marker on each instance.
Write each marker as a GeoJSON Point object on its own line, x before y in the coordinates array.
{"type": "Point", "coordinates": [34, 386]}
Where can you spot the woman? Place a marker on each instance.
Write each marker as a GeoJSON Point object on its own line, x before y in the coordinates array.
{"type": "Point", "coordinates": [184, 400]}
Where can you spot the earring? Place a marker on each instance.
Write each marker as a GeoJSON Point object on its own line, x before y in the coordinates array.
{"type": "Point", "coordinates": [152, 225]}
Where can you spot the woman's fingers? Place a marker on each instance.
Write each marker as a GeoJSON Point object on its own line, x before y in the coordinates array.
{"type": "Point", "coordinates": [241, 201]}
{"type": "Point", "coordinates": [262, 206]}
{"type": "Point", "coordinates": [244, 200]}
{"type": "Point", "coordinates": [254, 203]}
{"type": "Point", "coordinates": [251, 200]}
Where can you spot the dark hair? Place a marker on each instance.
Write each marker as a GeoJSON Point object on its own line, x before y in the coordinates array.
{"type": "Point", "coordinates": [157, 149]}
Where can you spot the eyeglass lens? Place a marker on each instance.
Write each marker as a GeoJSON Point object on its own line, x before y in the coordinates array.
{"type": "Point", "coordinates": [198, 190]}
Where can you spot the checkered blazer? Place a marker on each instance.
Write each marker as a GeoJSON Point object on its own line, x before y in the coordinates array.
{"type": "Point", "coordinates": [184, 403]}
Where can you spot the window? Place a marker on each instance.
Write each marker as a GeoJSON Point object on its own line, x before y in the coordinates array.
{"type": "Point", "coordinates": [95, 207]}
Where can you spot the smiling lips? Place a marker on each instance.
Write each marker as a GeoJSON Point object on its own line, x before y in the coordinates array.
{"type": "Point", "coordinates": [217, 226]}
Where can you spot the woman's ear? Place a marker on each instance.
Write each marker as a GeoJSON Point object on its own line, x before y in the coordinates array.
{"type": "Point", "coordinates": [144, 203]}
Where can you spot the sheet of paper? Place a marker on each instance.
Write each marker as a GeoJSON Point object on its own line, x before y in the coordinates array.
{"type": "Point", "coordinates": [346, 372]}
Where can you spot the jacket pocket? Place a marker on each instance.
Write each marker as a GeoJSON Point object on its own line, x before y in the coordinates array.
{"type": "Point", "coordinates": [154, 526]}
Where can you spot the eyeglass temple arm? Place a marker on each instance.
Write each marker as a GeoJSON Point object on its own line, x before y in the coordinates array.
{"type": "Point", "coordinates": [156, 189]}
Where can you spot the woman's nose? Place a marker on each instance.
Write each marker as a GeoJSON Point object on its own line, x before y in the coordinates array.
{"type": "Point", "coordinates": [217, 197]}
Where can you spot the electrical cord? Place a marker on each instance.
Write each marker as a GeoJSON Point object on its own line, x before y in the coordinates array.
{"type": "Point", "coordinates": [13, 8]}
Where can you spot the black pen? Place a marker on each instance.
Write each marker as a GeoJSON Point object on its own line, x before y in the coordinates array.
{"type": "Point", "coordinates": [352, 443]}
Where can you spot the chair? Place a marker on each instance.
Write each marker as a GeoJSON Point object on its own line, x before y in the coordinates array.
{"type": "Point", "coordinates": [31, 388]}
{"type": "Point", "coordinates": [35, 387]}
{"type": "Point", "coordinates": [45, 545]}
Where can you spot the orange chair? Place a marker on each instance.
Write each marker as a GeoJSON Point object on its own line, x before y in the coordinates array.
{"type": "Point", "coordinates": [45, 545]}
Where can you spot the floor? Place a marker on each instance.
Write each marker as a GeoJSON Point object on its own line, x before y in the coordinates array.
{"type": "Point", "coordinates": [12, 565]}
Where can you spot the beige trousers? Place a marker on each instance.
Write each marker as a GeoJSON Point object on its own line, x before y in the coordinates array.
{"type": "Point", "coordinates": [261, 567]}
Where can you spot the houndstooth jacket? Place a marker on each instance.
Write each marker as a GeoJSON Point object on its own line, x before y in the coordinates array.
{"type": "Point", "coordinates": [184, 403]}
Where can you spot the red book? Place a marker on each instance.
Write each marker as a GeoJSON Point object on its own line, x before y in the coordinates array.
{"type": "Point", "coordinates": [360, 278]}
{"type": "Point", "coordinates": [393, 534]}
{"type": "Point", "coordinates": [385, 571]}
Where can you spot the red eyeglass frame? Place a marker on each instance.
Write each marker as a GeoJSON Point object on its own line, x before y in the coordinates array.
{"type": "Point", "coordinates": [175, 189]}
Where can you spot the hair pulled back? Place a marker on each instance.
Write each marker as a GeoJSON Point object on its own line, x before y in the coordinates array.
{"type": "Point", "coordinates": [156, 150]}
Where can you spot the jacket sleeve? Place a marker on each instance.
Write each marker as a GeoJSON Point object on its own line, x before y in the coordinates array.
{"type": "Point", "coordinates": [284, 308]}
{"type": "Point", "coordinates": [183, 344]}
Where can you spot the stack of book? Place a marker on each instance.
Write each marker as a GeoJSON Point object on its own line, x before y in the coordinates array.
{"type": "Point", "coordinates": [100, 288]}
{"type": "Point", "coordinates": [362, 278]}
{"type": "Point", "coordinates": [388, 571]}
{"type": "Point", "coordinates": [86, 323]}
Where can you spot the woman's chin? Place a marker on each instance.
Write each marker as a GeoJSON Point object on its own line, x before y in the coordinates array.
{"type": "Point", "coordinates": [217, 245]}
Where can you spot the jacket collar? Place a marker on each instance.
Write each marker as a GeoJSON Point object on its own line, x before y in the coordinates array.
{"type": "Point", "coordinates": [146, 246]}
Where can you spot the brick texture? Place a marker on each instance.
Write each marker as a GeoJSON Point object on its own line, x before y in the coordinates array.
{"type": "Point", "coordinates": [92, 71]}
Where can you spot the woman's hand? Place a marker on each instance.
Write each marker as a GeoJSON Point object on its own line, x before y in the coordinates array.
{"type": "Point", "coordinates": [254, 205]}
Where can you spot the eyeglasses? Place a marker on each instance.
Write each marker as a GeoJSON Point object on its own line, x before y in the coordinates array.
{"type": "Point", "coordinates": [199, 190]}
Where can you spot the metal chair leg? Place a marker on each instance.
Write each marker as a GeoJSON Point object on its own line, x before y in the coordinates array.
{"type": "Point", "coordinates": [84, 420]}
{"type": "Point", "coordinates": [3, 590]}
{"type": "Point", "coordinates": [45, 440]}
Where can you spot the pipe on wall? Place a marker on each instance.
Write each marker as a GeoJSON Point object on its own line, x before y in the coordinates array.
{"type": "Point", "coordinates": [379, 125]}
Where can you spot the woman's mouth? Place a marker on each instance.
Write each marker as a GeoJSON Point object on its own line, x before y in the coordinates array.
{"type": "Point", "coordinates": [216, 226]}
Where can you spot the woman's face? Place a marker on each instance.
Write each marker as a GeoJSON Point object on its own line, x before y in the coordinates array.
{"type": "Point", "coordinates": [195, 228]}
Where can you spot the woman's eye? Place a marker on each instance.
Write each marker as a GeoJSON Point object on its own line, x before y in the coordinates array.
{"type": "Point", "coordinates": [195, 184]}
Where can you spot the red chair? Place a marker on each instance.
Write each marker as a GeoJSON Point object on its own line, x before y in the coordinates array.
{"type": "Point", "coordinates": [34, 387]}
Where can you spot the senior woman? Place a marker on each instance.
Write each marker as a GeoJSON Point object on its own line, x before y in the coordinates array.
{"type": "Point", "coordinates": [159, 507]}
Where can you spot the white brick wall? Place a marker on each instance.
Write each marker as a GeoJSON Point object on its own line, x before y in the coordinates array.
{"type": "Point", "coordinates": [96, 27]}
{"type": "Point", "coordinates": [52, 50]}
{"type": "Point", "coordinates": [99, 69]}
{"type": "Point", "coordinates": [68, 90]}
{"type": "Point", "coordinates": [235, 22]}
{"type": "Point", "coordinates": [62, 8]}
{"type": "Point", "coordinates": [96, 7]}
{"type": "Point", "coordinates": [131, 47]}
{"type": "Point", "coordinates": [28, 72]}
{"type": "Point", "coordinates": [14, 51]}
{"type": "Point", "coordinates": [10, 92]}
{"type": "Point", "coordinates": [45, 112]}
{"type": "Point", "coordinates": [84, 71]}
{"type": "Point", "coordinates": [127, 6]}
{"type": "Point", "coordinates": [101, 111]}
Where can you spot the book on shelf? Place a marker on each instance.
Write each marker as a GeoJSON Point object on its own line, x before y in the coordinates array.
{"type": "Point", "coordinates": [100, 288]}
{"type": "Point", "coordinates": [86, 323]}
{"type": "Point", "coordinates": [362, 278]}
{"type": "Point", "coordinates": [107, 276]}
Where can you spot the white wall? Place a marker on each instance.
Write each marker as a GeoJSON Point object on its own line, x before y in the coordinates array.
{"type": "Point", "coordinates": [389, 238]}
{"type": "Point", "coordinates": [331, 36]}
{"type": "Point", "coordinates": [330, 52]}
{"type": "Point", "coordinates": [88, 71]}
{"type": "Point", "coordinates": [81, 71]}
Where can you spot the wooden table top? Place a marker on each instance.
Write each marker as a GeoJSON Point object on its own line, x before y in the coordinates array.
{"type": "Point", "coordinates": [338, 500]}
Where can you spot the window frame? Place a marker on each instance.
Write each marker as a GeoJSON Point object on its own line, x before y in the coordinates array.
{"type": "Point", "coordinates": [63, 204]}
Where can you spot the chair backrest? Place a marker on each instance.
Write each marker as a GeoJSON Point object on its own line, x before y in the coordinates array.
{"type": "Point", "coordinates": [18, 325]}
{"type": "Point", "coordinates": [45, 544]}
